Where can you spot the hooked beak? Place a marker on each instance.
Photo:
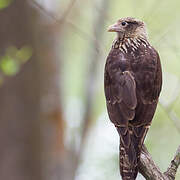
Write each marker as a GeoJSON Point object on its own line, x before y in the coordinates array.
{"type": "Point", "coordinates": [114, 28]}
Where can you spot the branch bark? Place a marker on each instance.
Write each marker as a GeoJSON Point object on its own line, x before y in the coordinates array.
{"type": "Point", "coordinates": [151, 171]}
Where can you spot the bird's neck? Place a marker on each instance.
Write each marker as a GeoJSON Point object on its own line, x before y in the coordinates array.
{"type": "Point", "coordinates": [133, 42]}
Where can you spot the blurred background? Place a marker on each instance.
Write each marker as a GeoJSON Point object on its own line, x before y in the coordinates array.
{"type": "Point", "coordinates": [53, 119]}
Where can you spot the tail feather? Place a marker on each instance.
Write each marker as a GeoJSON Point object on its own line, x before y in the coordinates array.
{"type": "Point", "coordinates": [131, 141]}
{"type": "Point", "coordinates": [129, 159]}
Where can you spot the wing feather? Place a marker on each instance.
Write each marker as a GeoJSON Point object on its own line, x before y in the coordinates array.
{"type": "Point", "coordinates": [129, 90]}
{"type": "Point", "coordinates": [120, 92]}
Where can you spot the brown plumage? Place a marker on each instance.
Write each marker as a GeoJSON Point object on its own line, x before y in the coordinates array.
{"type": "Point", "coordinates": [132, 81]}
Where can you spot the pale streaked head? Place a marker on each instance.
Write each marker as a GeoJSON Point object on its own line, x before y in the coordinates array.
{"type": "Point", "coordinates": [129, 28]}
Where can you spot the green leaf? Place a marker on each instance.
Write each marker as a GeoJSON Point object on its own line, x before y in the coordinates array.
{"type": "Point", "coordinates": [5, 3]}
{"type": "Point", "coordinates": [24, 54]}
{"type": "Point", "coordinates": [8, 65]}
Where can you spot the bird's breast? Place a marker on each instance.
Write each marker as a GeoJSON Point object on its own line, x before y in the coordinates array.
{"type": "Point", "coordinates": [124, 62]}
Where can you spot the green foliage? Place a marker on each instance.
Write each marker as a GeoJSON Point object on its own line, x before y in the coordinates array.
{"type": "Point", "coordinates": [8, 65]}
{"type": "Point", "coordinates": [24, 54]}
{"type": "Point", "coordinates": [5, 3]}
{"type": "Point", "coordinates": [11, 62]}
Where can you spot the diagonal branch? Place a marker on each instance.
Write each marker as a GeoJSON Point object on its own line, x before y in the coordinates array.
{"type": "Point", "coordinates": [171, 114]}
{"type": "Point", "coordinates": [151, 171]}
{"type": "Point", "coordinates": [52, 15]}
{"type": "Point", "coordinates": [64, 19]}
{"type": "Point", "coordinates": [172, 169]}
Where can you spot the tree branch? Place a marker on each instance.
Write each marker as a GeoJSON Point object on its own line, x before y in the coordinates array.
{"type": "Point", "coordinates": [172, 169]}
{"type": "Point", "coordinates": [151, 171]}
{"type": "Point", "coordinates": [63, 19]}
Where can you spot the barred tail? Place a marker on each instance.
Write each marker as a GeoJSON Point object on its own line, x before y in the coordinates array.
{"type": "Point", "coordinates": [131, 142]}
{"type": "Point", "coordinates": [129, 159]}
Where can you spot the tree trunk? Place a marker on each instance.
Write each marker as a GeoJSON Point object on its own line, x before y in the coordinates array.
{"type": "Point", "coordinates": [19, 101]}
{"type": "Point", "coordinates": [31, 123]}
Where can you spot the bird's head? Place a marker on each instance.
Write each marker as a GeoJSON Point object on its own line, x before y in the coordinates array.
{"type": "Point", "coordinates": [129, 28]}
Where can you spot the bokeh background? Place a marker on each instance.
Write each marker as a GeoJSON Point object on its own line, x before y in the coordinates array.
{"type": "Point", "coordinates": [53, 119]}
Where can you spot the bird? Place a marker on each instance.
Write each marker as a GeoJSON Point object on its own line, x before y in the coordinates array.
{"type": "Point", "coordinates": [132, 85]}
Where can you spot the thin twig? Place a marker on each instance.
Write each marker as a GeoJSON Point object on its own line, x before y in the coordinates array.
{"type": "Point", "coordinates": [171, 115]}
{"type": "Point", "coordinates": [42, 9]}
{"type": "Point", "coordinates": [67, 11]}
{"type": "Point", "coordinates": [52, 15]}
{"type": "Point", "coordinates": [172, 169]}
{"type": "Point", "coordinates": [63, 19]}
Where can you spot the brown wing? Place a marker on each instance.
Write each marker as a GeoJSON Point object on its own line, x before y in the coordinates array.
{"type": "Point", "coordinates": [158, 79]}
{"type": "Point", "coordinates": [148, 76]}
{"type": "Point", "coordinates": [120, 92]}
{"type": "Point", "coordinates": [149, 83]}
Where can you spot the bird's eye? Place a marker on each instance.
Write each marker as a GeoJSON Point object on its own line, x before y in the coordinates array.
{"type": "Point", "coordinates": [123, 23]}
